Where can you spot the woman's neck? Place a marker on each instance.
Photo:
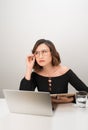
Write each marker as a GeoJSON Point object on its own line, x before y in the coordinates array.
{"type": "Point", "coordinates": [50, 70]}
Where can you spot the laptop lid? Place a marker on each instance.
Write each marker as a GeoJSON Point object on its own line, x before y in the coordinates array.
{"type": "Point", "coordinates": [28, 102]}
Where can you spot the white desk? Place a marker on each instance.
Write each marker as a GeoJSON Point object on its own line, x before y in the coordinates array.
{"type": "Point", "coordinates": [66, 117]}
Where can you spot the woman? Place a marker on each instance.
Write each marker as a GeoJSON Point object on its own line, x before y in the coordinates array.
{"type": "Point", "coordinates": [44, 71]}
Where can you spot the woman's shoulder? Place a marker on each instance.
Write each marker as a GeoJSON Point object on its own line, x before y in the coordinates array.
{"type": "Point", "coordinates": [64, 69]}
{"type": "Point", "coordinates": [61, 70]}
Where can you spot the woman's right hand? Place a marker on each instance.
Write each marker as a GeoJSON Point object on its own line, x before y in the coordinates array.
{"type": "Point", "coordinates": [29, 66]}
{"type": "Point", "coordinates": [30, 62]}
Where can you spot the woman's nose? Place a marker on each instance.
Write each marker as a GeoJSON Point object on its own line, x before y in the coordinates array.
{"type": "Point", "coordinates": [40, 54]}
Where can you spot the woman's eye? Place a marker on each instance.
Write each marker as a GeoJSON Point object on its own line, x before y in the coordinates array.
{"type": "Point", "coordinates": [44, 51]}
{"type": "Point", "coordinates": [36, 53]}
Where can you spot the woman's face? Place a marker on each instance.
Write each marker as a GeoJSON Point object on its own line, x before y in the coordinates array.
{"type": "Point", "coordinates": [43, 55]}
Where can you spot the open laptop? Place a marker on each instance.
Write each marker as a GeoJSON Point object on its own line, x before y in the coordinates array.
{"type": "Point", "coordinates": [29, 102]}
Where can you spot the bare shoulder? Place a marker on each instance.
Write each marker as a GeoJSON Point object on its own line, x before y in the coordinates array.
{"type": "Point", "coordinates": [64, 69]}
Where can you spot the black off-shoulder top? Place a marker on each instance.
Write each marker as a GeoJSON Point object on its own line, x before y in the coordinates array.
{"type": "Point", "coordinates": [59, 83]}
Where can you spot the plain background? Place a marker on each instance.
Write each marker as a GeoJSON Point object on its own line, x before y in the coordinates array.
{"type": "Point", "coordinates": [23, 22]}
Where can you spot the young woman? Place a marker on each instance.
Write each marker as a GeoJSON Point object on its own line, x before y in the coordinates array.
{"type": "Point", "coordinates": [44, 71]}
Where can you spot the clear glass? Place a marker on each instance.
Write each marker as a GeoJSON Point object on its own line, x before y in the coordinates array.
{"type": "Point", "coordinates": [43, 52]}
{"type": "Point", "coordinates": [81, 99]}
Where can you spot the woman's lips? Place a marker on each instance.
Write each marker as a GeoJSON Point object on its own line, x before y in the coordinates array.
{"type": "Point", "coordinates": [41, 61]}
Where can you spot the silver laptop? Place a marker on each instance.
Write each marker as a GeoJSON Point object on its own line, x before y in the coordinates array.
{"type": "Point", "coordinates": [29, 102]}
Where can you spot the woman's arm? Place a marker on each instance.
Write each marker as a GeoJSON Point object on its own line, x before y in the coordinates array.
{"type": "Point", "coordinates": [76, 82]}
{"type": "Point", "coordinates": [27, 84]}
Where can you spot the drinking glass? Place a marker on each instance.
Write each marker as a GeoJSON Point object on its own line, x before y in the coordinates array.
{"type": "Point", "coordinates": [81, 99]}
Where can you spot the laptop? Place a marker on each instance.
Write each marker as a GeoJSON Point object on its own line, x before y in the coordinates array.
{"type": "Point", "coordinates": [29, 102]}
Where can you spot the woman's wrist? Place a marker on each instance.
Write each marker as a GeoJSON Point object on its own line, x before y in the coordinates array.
{"type": "Point", "coordinates": [28, 74]}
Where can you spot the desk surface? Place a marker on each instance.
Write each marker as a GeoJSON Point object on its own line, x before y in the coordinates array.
{"type": "Point", "coordinates": [66, 117]}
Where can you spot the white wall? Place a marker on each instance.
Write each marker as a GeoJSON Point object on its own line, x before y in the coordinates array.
{"type": "Point", "coordinates": [22, 22]}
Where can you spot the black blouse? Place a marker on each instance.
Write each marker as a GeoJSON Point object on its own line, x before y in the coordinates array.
{"type": "Point", "coordinates": [59, 83]}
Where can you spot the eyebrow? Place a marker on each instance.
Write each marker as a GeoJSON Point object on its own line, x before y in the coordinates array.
{"type": "Point", "coordinates": [43, 50]}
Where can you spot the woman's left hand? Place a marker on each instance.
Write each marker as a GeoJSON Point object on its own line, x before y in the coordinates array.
{"type": "Point", "coordinates": [62, 99]}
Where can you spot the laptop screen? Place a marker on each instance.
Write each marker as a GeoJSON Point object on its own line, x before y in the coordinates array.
{"type": "Point", "coordinates": [29, 102]}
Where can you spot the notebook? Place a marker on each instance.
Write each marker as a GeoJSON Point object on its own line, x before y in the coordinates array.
{"type": "Point", "coordinates": [29, 102]}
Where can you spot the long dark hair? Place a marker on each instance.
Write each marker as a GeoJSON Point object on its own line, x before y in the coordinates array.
{"type": "Point", "coordinates": [55, 55]}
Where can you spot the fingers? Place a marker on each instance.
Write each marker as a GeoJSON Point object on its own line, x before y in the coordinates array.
{"type": "Point", "coordinates": [54, 100]}
{"type": "Point", "coordinates": [61, 99]}
{"type": "Point", "coordinates": [31, 58]}
{"type": "Point", "coordinates": [65, 100]}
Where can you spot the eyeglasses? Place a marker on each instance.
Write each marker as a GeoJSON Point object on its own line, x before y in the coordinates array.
{"type": "Point", "coordinates": [43, 53]}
